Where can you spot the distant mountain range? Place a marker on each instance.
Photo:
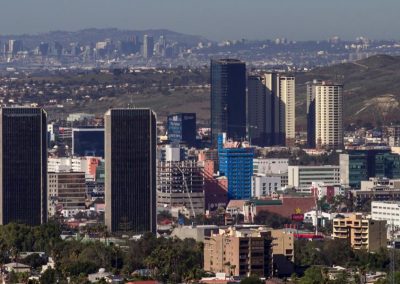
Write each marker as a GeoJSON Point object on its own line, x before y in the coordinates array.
{"type": "Point", "coordinates": [371, 89]}
{"type": "Point", "coordinates": [94, 35]}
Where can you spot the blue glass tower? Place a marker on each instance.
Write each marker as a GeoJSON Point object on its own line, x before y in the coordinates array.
{"type": "Point", "coordinates": [236, 163]}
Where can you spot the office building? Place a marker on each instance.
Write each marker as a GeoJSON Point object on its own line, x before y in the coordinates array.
{"type": "Point", "coordinates": [270, 165]}
{"type": "Point", "coordinates": [236, 163]}
{"type": "Point", "coordinates": [361, 232]}
{"type": "Point", "coordinates": [66, 191]}
{"type": "Point", "coordinates": [88, 142]}
{"type": "Point", "coordinates": [302, 177]}
{"type": "Point", "coordinates": [180, 185]}
{"type": "Point", "coordinates": [247, 252]}
{"type": "Point", "coordinates": [14, 46]}
{"type": "Point", "coordinates": [394, 135]}
{"type": "Point", "coordinates": [181, 128]}
{"type": "Point", "coordinates": [265, 185]}
{"type": "Point", "coordinates": [271, 109]}
{"type": "Point", "coordinates": [130, 167]}
{"type": "Point", "coordinates": [328, 120]}
{"type": "Point", "coordinates": [228, 99]}
{"type": "Point", "coordinates": [148, 46]}
{"type": "Point", "coordinates": [360, 165]}
{"type": "Point", "coordinates": [388, 211]}
{"type": "Point", "coordinates": [23, 158]}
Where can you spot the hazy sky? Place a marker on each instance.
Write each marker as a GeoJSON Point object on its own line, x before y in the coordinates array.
{"type": "Point", "coordinates": [215, 19]}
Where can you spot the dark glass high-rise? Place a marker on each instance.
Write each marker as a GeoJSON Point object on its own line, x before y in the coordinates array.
{"type": "Point", "coordinates": [130, 168]}
{"type": "Point", "coordinates": [23, 158]}
{"type": "Point", "coordinates": [228, 99]}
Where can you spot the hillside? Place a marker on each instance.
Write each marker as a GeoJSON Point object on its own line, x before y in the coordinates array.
{"type": "Point", "coordinates": [372, 89]}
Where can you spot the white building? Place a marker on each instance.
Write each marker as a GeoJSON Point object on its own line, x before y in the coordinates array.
{"type": "Point", "coordinates": [270, 166]}
{"type": "Point", "coordinates": [321, 190]}
{"type": "Point", "coordinates": [302, 177]}
{"type": "Point", "coordinates": [283, 94]}
{"type": "Point", "coordinates": [328, 114]}
{"type": "Point", "coordinates": [265, 185]}
{"type": "Point", "coordinates": [388, 211]}
{"type": "Point", "coordinates": [75, 164]}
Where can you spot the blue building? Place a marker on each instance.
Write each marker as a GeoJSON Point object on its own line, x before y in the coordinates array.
{"type": "Point", "coordinates": [236, 163]}
{"type": "Point", "coordinates": [88, 142]}
{"type": "Point", "coordinates": [182, 128]}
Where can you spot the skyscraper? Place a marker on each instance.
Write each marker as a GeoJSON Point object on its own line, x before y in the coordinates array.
{"type": "Point", "coordinates": [311, 113]}
{"type": "Point", "coordinates": [148, 46]}
{"type": "Point", "coordinates": [328, 114]}
{"type": "Point", "coordinates": [130, 166]}
{"type": "Point", "coordinates": [23, 158]}
{"type": "Point", "coordinates": [259, 111]}
{"type": "Point", "coordinates": [271, 109]}
{"type": "Point", "coordinates": [228, 98]}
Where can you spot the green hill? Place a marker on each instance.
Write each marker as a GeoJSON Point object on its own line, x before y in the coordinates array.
{"type": "Point", "coordinates": [371, 89]}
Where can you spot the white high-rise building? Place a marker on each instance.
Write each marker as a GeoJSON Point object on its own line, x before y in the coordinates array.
{"type": "Point", "coordinates": [328, 115]}
{"type": "Point", "coordinates": [278, 100]}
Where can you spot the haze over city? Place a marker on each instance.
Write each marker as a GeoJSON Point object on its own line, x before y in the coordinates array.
{"type": "Point", "coordinates": [216, 20]}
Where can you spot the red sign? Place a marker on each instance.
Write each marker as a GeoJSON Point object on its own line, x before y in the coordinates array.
{"type": "Point", "coordinates": [298, 217]}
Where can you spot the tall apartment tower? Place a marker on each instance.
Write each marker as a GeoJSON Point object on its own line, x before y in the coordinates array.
{"type": "Point", "coordinates": [130, 170]}
{"type": "Point", "coordinates": [271, 109]}
{"type": "Point", "coordinates": [311, 112]}
{"type": "Point", "coordinates": [148, 46]}
{"type": "Point", "coordinates": [23, 158]}
{"type": "Point", "coordinates": [259, 112]}
{"type": "Point", "coordinates": [228, 99]}
{"type": "Point", "coordinates": [328, 114]}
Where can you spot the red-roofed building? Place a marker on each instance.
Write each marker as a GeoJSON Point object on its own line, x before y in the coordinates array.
{"type": "Point", "coordinates": [284, 206]}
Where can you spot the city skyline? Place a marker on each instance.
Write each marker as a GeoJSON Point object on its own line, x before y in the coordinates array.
{"type": "Point", "coordinates": [259, 20]}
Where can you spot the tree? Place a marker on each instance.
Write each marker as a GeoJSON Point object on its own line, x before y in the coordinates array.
{"type": "Point", "coordinates": [251, 280]}
{"type": "Point", "coordinates": [313, 275]}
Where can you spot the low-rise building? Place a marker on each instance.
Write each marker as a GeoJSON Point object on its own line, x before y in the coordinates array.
{"type": "Point", "coordinates": [66, 191]}
{"type": "Point", "coordinates": [388, 211]}
{"type": "Point", "coordinates": [361, 232]}
{"type": "Point", "coordinates": [302, 177]}
{"type": "Point", "coordinates": [265, 185]}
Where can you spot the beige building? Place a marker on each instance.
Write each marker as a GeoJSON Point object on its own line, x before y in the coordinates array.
{"type": "Point", "coordinates": [282, 93]}
{"type": "Point", "coordinates": [66, 191]}
{"type": "Point", "coordinates": [247, 251]}
{"type": "Point", "coordinates": [328, 114]}
{"type": "Point", "coordinates": [239, 253]}
{"type": "Point", "coordinates": [361, 232]}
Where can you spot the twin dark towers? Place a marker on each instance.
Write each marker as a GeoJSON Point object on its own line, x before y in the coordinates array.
{"type": "Point", "coordinates": [130, 152]}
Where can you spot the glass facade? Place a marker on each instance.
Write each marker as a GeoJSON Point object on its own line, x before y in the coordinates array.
{"type": "Point", "coordinates": [228, 99]}
{"type": "Point", "coordinates": [237, 165]}
{"type": "Point", "coordinates": [23, 178]}
{"type": "Point", "coordinates": [130, 167]}
{"type": "Point", "coordinates": [182, 128]}
{"type": "Point", "coordinates": [88, 142]}
{"type": "Point", "coordinates": [364, 164]}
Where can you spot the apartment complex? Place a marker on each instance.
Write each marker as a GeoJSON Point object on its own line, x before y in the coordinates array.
{"type": "Point", "coordinates": [361, 232]}
{"type": "Point", "coordinates": [325, 114]}
{"type": "Point", "coordinates": [271, 109]}
{"type": "Point", "coordinates": [66, 191]}
{"type": "Point", "coordinates": [239, 252]}
{"type": "Point", "coordinates": [302, 177]}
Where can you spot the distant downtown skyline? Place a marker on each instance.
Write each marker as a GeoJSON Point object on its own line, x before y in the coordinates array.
{"type": "Point", "coordinates": [214, 19]}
